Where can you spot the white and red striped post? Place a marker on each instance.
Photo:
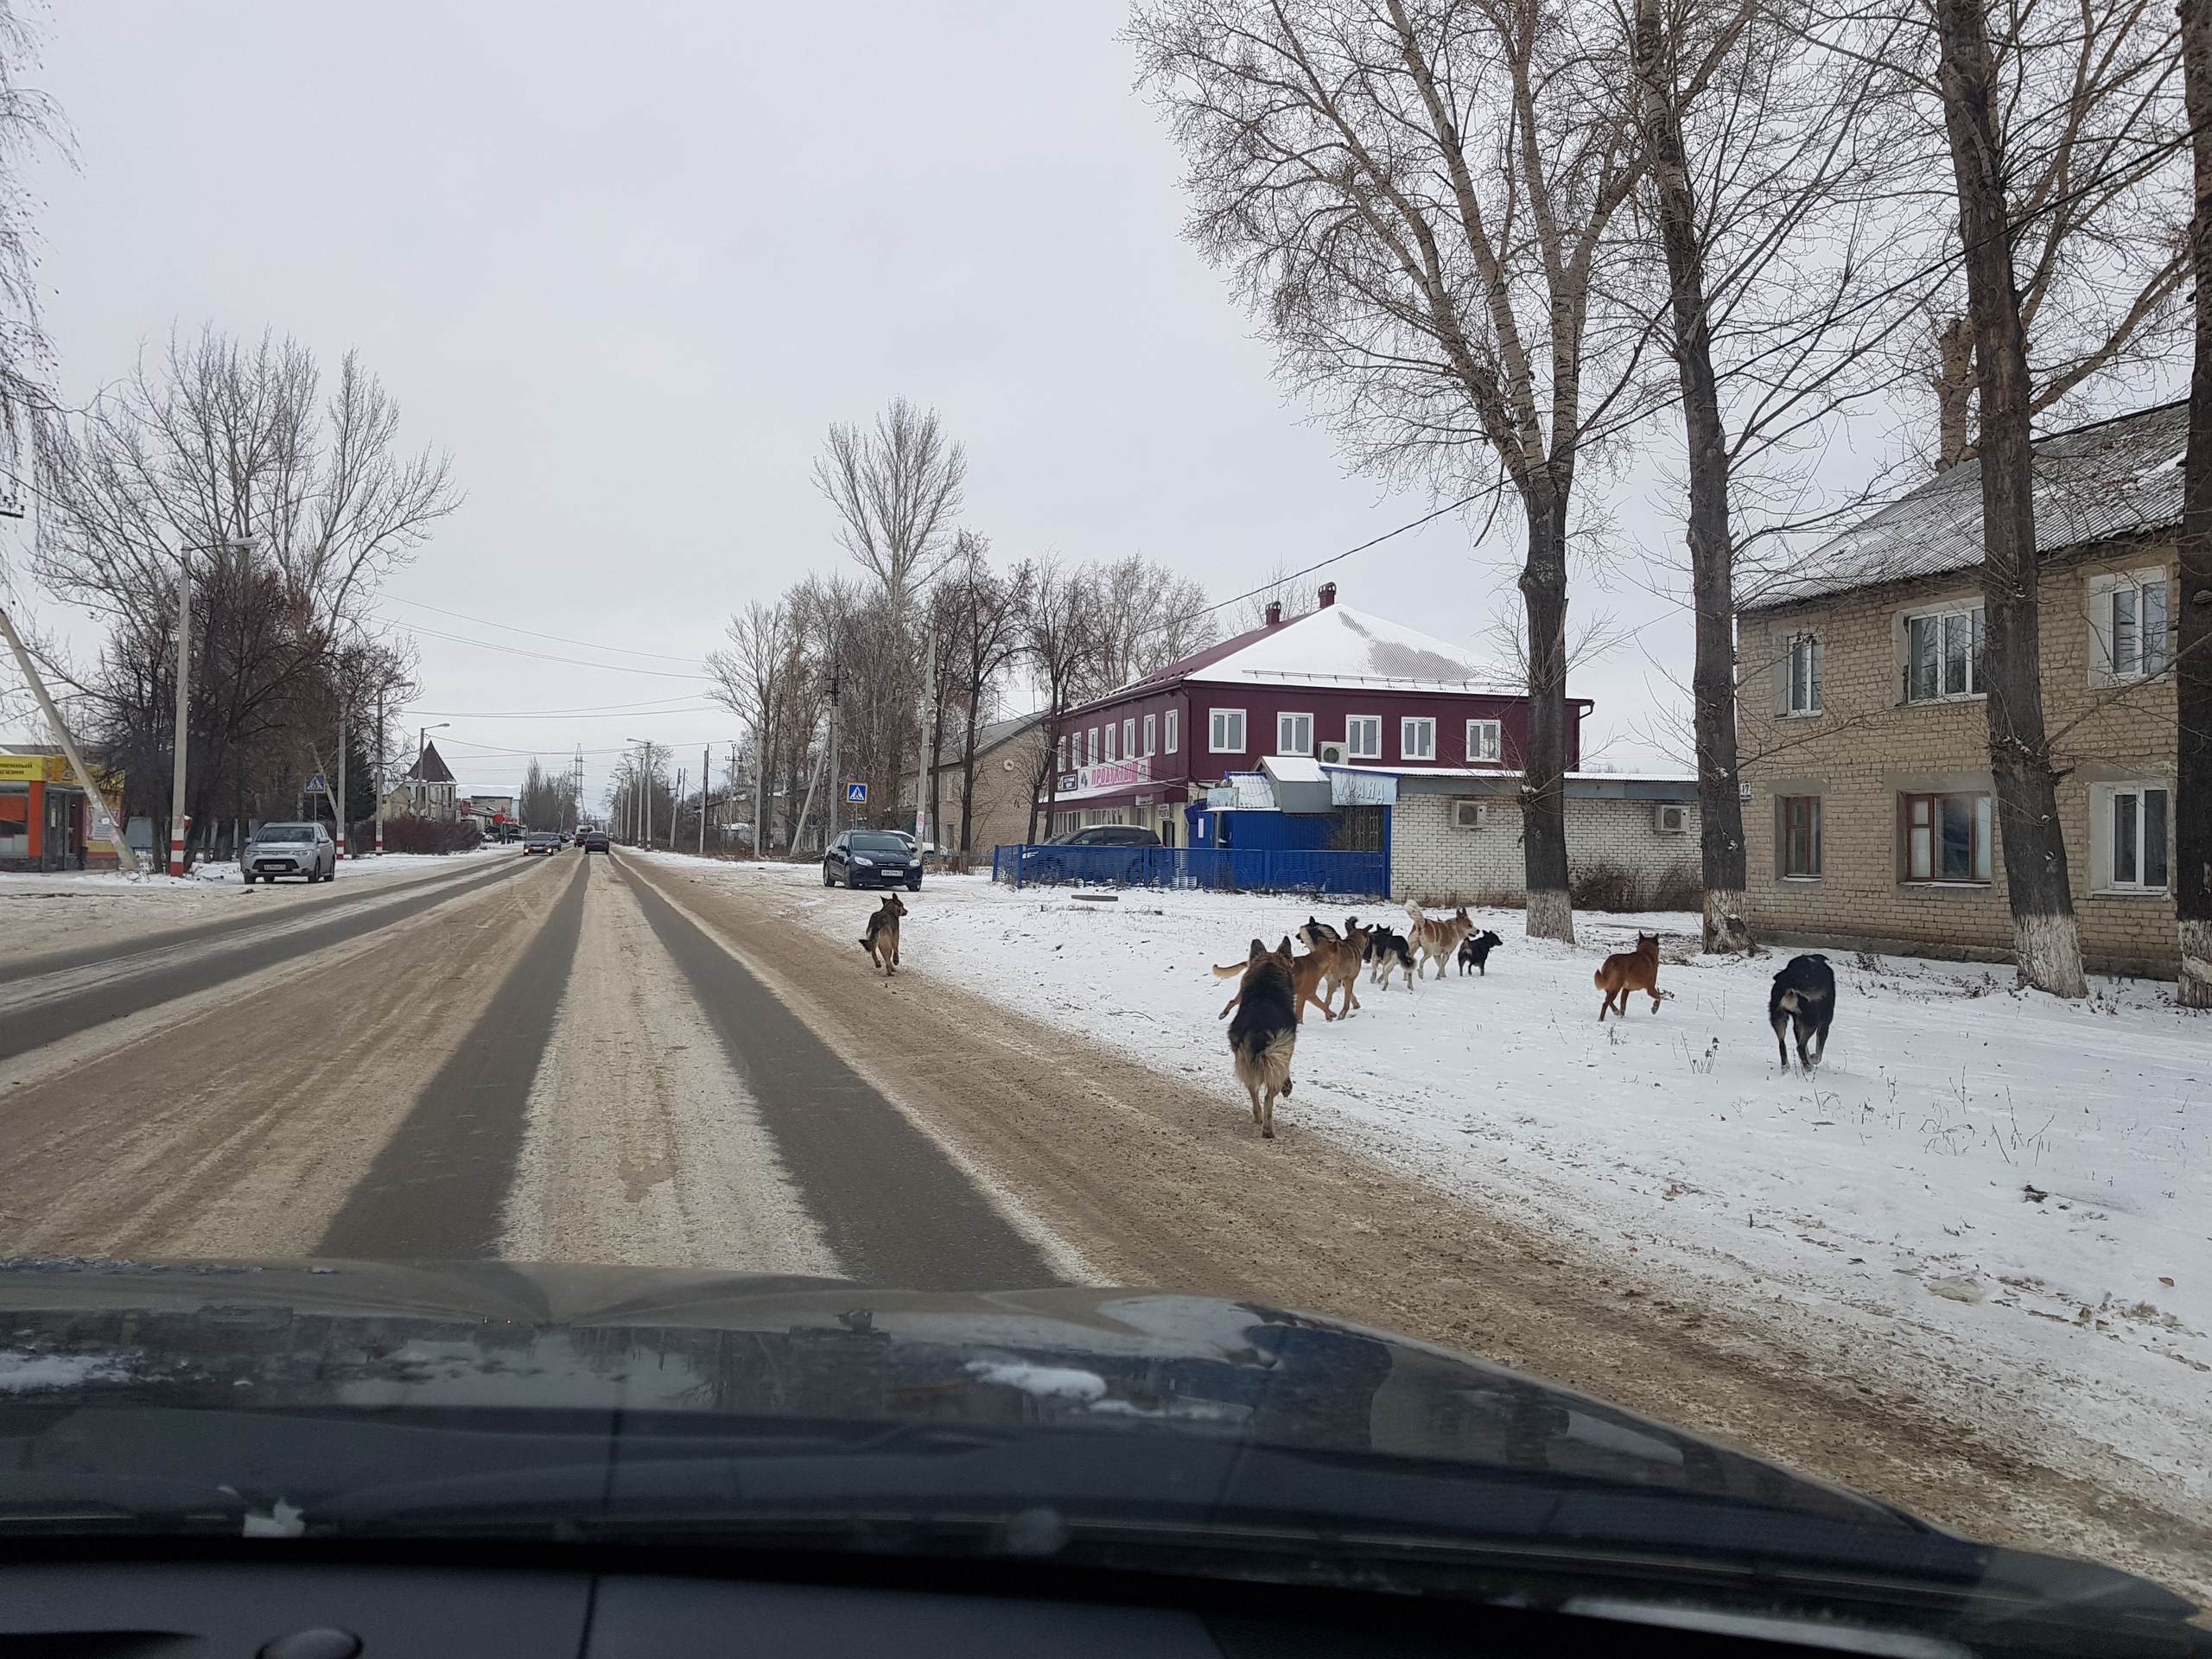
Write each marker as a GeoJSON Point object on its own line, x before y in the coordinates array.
{"type": "Point", "coordinates": [178, 828]}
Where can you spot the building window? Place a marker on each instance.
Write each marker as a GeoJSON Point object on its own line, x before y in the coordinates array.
{"type": "Point", "coordinates": [1093, 751]}
{"type": "Point", "coordinates": [2133, 824]}
{"type": "Point", "coordinates": [1110, 755]}
{"type": "Point", "coordinates": [1802, 677]}
{"type": "Point", "coordinates": [1364, 737]}
{"type": "Point", "coordinates": [1483, 739]}
{"type": "Point", "coordinates": [1800, 839]}
{"type": "Point", "coordinates": [1151, 736]}
{"type": "Point", "coordinates": [1416, 740]}
{"type": "Point", "coordinates": [1944, 655]}
{"type": "Point", "coordinates": [1173, 736]}
{"type": "Point", "coordinates": [1129, 738]}
{"type": "Point", "coordinates": [2127, 624]}
{"type": "Point", "coordinates": [1064, 751]}
{"type": "Point", "coordinates": [1227, 734]}
{"type": "Point", "coordinates": [1293, 733]}
{"type": "Point", "coordinates": [1946, 837]}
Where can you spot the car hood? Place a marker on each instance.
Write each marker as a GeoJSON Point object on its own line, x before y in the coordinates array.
{"type": "Point", "coordinates": [1118, 1428]}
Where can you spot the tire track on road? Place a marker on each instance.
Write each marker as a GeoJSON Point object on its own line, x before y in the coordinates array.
{"type": "Point", "coordinates": [890, 1204]}
{"type": "Point", "coordinates": [438, 1191]}
{"type": "Point", "coordinates": [63, 1002]}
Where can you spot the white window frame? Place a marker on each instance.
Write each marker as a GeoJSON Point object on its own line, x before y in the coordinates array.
{"type": "Point", "coordinates": [1151, 736]}
{"type": "Point", "coordinates": [1218, 724]}
{"type": "Point", "coordinates": [2139, 647]}
{"type": "Point", "coordinates": [1113, 751]}
{"type": "Point", "coordinates": [1800, 675]}
{"type": "Point", "coordinates": [1967, 615]}
{"type": "Point", "coordinates": [1354, 726]}
{"type": "Point", "coordinates": [2126, 870]}
{"type": "Point", "coordinates": [1171, 736]}
{"type": "Point", "coordinates": [1417, 737]}
{"type": "Point", "coordinates": [1063, 756]}
{"type": "Point", "coordinates": [1129, 738]}
{"type": "Point", "coordinates": [1486, 741]}
{"type": "Point", "coordinates": [1286, 737]}
{"type": "Point", "coordinates": [1092, 749]}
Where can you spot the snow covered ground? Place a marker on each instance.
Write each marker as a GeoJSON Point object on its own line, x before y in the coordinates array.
{"type": "Point", "coordinates": [2005, 1186]}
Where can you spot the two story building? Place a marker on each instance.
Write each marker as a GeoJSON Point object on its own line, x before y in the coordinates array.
{"type": "Point", "coordinates": [1868, 811]}
{"type": "Point", "coordinates": [1337, 685]}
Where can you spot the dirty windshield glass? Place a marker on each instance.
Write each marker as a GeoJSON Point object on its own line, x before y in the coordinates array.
{"type": "Point", "coordinates": [1316, 791]}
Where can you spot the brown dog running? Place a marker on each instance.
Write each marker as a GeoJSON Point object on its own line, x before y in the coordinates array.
{"type": "Point", "coordinates": [1307, 973]}
{"type": "Point", "coordinates": [1630, 971]}
{"type": "Point", "coordinates": [1342, 955]}
{"type": "Point", "coordinates": [1433, 940]}
{"type": "Point", "coordinates": [882, 941]}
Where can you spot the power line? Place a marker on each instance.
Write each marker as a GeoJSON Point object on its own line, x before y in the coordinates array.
{"type": "Point", "coordinates": [600, 710]}
{"type": "Point", "coordinates": [1334, 558]}
{"type": "Point", "coordinates": [546, 657]}
{"type": "Point", "coordinates": [559, 639]}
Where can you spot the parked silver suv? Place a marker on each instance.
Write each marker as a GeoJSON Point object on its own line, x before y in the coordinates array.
{"type": "Point", "coordinates": [303, 849]}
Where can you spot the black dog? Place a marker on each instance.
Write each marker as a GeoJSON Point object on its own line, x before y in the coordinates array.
{"type": "Point", "coordinates": [1804, 1000]}
{"type": "Point", "coordinates": [1475, 952]}
{"type": "Point", "coordinates": [1388, 953]}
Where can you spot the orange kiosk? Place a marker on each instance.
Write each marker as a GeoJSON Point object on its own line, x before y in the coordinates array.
{"type": "Point", "coordinates": [43, 822]}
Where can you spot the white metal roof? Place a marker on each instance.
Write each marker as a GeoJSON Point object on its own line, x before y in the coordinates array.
{"type": "Point", "coordinates": [1339, 645]}
{"type": "Point", "coordinates": [2117, 478]}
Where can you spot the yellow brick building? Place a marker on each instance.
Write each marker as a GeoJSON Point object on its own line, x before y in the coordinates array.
{"type": "Point", "coordinates": [1868, 814]}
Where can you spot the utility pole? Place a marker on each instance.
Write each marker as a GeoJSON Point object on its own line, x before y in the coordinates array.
{"type": "Point", "coordinates": [177, 825]}
{"type": "Point", "coordinates": [836, 815]}
{"type": "Point", "coordinates": [340, 813]}
{"type": "Point", "coordinates": [96, 802]}
{"type": "Point", "coordinates": [379, 771]}
{"type": "Point", "coordinates": [706, 771]}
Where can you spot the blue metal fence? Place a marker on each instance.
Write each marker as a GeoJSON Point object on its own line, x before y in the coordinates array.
{"type": "Point", "coordinates": [1221, 869]}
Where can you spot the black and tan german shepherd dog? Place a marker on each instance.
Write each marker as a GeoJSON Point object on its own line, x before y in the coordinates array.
{"type": "Point", "coordinates": [1264, 1034]}
{"type": "Point", "coordinates": [882, 940]}
{"type": "Point", "coordinates": [1803, 999]}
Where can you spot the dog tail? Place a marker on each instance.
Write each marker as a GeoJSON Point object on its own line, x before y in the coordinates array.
{"type": "Point", "coordinates": [866, 945]}
{"type": "Point", "coordinates": [1234, 970]}
{"type": "Point", "coordinates": [1599, 979]}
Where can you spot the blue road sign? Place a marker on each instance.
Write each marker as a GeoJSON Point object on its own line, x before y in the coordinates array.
{"type": "Point", "coordinates": [856, 794]}
{"type": "Point", "coordinates": [317, 786]}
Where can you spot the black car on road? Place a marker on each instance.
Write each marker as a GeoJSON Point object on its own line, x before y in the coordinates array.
{"type": "Point", "coordinates": [871, 858]}
{"type": "Point", "coordinates": [593, 841]}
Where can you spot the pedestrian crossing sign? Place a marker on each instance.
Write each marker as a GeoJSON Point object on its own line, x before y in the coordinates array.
{"type": "Point", "coordinates": [317, 786]}
{"type": "Point", "coordinates": [856, 794]}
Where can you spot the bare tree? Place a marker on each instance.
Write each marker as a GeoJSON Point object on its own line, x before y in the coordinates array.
{"type": "Point", "coordinates": [1146, 617]}
{"type": "Point", "coordinates": [896, 491]}
{"type": "Point", "coordinates": [1056, 640]}
{"type": "Point", "coordinates": [290, 510]}
{"type": "Point", "coordinates": [1418, 196]}
{"type": "Point", "coordinates": [1758, 186]}
{"type": "Point", "coordinates": [2192, 861]}
{"type": "Point", "coordinates": [1296, 596]}
{"type": "Point", "coordinates": [2083, 104]}
{"type": "Point", "coordinates": [29, 121]}
{"type": "Point", "coordinates": [751, 676]}
{"type": "Point", "coordinates": [994, 608]}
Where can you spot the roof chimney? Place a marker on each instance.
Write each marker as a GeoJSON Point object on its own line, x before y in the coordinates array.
{"type": "Point", "coordinates": [1275, 612]}
{"type": "Point", "coordinates": [1328, 594]}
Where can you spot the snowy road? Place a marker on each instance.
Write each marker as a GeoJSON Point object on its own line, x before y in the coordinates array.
{"type": "Point", "coordinates": [661, 1061]}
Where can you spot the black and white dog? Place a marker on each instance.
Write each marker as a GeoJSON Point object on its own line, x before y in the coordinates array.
{"type": "Point", "coordinates": [1388, 953]}
{"type": "Point", "coordinates": [1474, 952]}
{"type": "Point", "coordinates": [1803, 999]}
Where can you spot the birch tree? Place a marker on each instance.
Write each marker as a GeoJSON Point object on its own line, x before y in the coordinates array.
{"type": "Point", "coordinates": [1417, 198]}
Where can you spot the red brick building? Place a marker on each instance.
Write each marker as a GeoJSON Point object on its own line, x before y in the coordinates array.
{"type": "Point", "coordinates": [1337, 685]}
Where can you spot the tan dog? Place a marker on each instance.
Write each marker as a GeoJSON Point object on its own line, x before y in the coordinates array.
{"type": "Point", "coordinates": [882, 941]}
{"type": "Point", "coordinates": [1435, 941]}
{"type": "Point", "coordinates": [1629, 970]}
{"type": "Point", "coordinates": [1306, 973]}
{"type": "Point", "coordinates": [1343, 954]}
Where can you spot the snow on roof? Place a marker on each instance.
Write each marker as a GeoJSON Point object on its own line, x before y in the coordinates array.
{"type": "Point", "coordinates": [1293, 768]}
{"type": "Point", "coordinates": [1337, 645]}
{"type": "Point", "coordinates": [2115, 478]}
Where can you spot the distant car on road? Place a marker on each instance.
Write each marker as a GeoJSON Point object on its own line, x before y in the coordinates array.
{"type": "Point", "coordinates": [873, 858]}
{"type": "Point", "coordinates": [540, 840]}
{"type": "Point", "coordinates": [1108, 835]}
{"type": "Point", "coordinates": [303, 849]}
{"type": "Point", "coordinates": [594, 841]}
{"type": "Point", "coordinates": [1088, 855]}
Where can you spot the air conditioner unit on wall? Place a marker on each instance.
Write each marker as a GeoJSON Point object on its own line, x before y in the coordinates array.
{"type": "Point", "coordinates": [1330, 755]}
{"type": "Point", "coordinates": [1470, 814]}
{"type": "Point", "coordinates": [1671, 820]}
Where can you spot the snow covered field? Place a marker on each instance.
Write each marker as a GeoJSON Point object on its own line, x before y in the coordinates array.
{"type": "Point", "coordinates": [2014, 1190]}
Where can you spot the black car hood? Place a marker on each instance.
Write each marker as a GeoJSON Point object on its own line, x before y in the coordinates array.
{"type": "Point", "coordinates": [425, 1399]}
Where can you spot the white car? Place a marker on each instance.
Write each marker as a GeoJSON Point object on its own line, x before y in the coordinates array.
{"type": "Point", "coordinates": [303, 849]}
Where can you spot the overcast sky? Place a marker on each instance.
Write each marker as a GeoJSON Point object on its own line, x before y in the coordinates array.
{"type": "Point", "coordinates": [626, 264]}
